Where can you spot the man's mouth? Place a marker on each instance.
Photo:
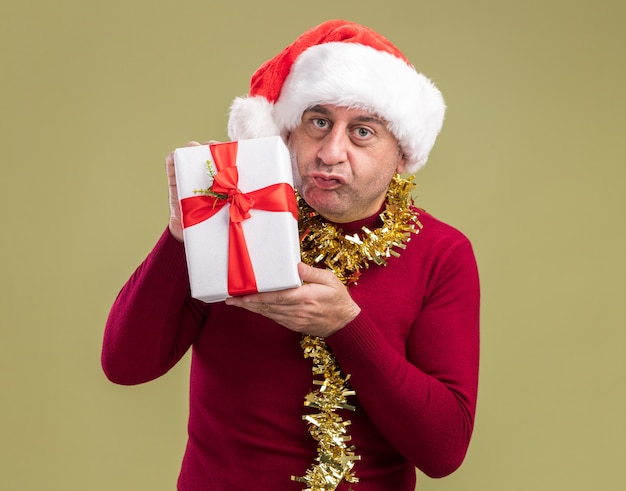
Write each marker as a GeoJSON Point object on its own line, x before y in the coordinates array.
{"type": "Point", "coordinates": [327, 181]}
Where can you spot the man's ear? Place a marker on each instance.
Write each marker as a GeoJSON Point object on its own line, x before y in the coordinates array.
{"type": "Point", "coordinates": [401, 167]}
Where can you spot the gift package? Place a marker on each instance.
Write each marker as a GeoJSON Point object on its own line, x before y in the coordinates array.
{"type": "Point", "coordinates": [239, 216]}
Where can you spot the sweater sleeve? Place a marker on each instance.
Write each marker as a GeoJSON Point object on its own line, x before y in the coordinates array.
{"type": "Point", "coordinates": [423, 401]}
{"type": "Point", "coordinates": [153, 320]}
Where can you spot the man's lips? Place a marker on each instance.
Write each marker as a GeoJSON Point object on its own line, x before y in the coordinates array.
{"type": "Point", "coordinates": [325, 181]}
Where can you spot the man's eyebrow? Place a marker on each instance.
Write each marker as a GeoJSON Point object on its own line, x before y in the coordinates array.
{"type": "Point", "coordinates": [318, 109]}
{"type": "Point", "coordinates": [371, 119]}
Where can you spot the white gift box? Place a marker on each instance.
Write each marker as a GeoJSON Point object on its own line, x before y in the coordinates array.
{"type": "Point", "coordinates": [271, 237]}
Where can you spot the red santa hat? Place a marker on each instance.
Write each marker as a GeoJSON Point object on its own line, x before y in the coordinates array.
{"type": "Point", "coordinates": [343, 64]}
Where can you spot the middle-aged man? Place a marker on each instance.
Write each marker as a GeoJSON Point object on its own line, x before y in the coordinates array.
{"type": "Point", "coordinates": [381, 340]}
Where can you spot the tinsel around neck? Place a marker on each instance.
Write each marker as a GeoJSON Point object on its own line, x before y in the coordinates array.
{"type": "Point", "coordinates": [345, 255]}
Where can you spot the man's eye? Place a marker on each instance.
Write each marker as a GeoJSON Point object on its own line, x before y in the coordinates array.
{"type": "Point", "coordinates": [363, 132]}
{"type": "Point", "coordinates": [320, 122]}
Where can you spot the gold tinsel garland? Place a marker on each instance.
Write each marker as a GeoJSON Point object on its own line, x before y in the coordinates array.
{"type": "Point", "coordinates": [345, 255]}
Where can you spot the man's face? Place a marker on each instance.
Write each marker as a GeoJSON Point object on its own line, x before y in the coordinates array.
{"type": "Point", "coordinates": [343, 161]}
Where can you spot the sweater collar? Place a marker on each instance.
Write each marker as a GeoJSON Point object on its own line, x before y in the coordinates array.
{"type": "Point", "coordinates": [372, 222]}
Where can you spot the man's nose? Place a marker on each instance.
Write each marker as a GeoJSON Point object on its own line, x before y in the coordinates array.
{"type": "Point", "coordinates": [334, 149]}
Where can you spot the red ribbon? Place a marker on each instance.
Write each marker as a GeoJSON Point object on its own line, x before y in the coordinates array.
{"type": "Point", "coordinates": [196, 209]}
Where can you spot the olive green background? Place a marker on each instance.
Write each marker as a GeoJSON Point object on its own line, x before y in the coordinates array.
{"type": "Point", "coordinates": [530, 165]}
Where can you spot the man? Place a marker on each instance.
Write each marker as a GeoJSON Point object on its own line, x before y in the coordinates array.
{"type": "Point", "coordinates": [389, 305]}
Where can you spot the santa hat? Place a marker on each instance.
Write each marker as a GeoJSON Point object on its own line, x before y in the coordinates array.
{"type": "Point", "coordinates": [343, 64]}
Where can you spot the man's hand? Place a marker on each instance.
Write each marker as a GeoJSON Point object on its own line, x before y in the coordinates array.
{"type": "Point", "coordinates": [176, 227]}
{"type": "Point", "coordinates": [320, 307]}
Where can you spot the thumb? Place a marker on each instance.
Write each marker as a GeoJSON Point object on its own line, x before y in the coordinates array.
{"type": "Point", "coordinates": [309, 274]}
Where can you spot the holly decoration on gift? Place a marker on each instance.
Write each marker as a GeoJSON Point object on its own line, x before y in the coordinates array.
{"type": "Point", "coordinates": [209, 191]}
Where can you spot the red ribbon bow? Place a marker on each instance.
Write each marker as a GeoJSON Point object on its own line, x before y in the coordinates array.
{"type": "Point", "coordinates": [196, 209]}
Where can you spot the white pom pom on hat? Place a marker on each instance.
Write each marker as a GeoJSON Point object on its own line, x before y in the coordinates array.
{"type": "Point", "coordinates": [343, 64]}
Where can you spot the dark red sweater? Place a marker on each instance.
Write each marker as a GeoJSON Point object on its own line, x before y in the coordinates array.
{"type": "Point", "coordinates": [412, 354]}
